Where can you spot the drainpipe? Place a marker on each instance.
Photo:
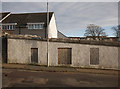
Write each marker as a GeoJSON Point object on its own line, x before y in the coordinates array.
{"type": "Point", "coordinates": [19, 30]}
{"type": "Point", "coordinates": [119, 35]}
{"type": "Point", "coordinates": [118, 22]}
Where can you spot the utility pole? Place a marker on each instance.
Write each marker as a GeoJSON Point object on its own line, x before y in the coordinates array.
{"type": "Point", "coordinates": [19, 29]}
{"type": "Point", "coordinates": [118, 22]}
{"type": "Point", "coordinates": [47, 35]}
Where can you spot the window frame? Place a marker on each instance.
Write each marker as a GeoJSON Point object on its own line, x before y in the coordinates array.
{"type": "Point", "coordinates": [36, 26]}
{"type": "Point", "coordinates": [8, 26]}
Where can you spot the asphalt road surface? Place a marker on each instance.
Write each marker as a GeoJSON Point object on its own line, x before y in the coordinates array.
{"type": "Point", "coordinates": [28, 78]}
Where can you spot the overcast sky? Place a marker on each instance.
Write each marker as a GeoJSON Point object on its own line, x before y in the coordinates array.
{"type": "Point", "coordinates": [72, 17]}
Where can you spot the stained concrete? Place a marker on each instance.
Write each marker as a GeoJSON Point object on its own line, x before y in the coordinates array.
{"type": "Point", "coordinates": [19, 51]}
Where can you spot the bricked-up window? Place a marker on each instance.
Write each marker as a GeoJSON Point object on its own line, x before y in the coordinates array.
{"type": "Point", "coordinates": [64, 55]}
{"type": "Point", "coordinates": [94, 56]}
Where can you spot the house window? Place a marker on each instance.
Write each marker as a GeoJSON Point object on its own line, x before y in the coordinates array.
{"type": "Point", "coordinates": [10, 26]}
{"type": "Point", "coordinates": [35, 25]}
{"type": "Point", "coordinates": [94, 56]}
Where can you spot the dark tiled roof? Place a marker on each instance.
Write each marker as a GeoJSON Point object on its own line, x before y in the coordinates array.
{"type": "Point", "coordinates": [61, 35]}
{"type": "Point", "coordinates": [2, 15]}
{"type": "Point", "coordinates": [24, 18]}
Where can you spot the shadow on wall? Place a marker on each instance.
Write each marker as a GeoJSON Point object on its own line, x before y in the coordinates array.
{"type": "Point", "coordinates": [119, 66]}
{"type": "Point", "coordinates": [4, 49]}
{"type": "Point", "coordinates": [0, 49]}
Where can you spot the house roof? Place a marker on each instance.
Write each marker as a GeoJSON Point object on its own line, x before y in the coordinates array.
{"type": "Point", "coordinates": [23, 18]}
{"type": "Point", "coordinates": [61, 35]}
{"type": "Point", "coordinates": [4, 14]}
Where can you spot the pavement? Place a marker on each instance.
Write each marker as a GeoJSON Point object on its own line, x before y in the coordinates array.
{"type": "Point", "coordinates": [20, 75]}
{"type": "Point", "coordinates": [58, 69]}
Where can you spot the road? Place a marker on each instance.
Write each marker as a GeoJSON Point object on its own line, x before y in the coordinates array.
{"type": "Point", "coordinates": [28, 78]}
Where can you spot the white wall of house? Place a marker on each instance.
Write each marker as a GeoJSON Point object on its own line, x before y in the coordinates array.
{"type": "Point", "coordinates": [52, 32]}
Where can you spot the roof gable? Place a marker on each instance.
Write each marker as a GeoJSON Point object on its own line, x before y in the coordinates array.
{"type": "Point", "coordinates": [3, 15]}
{"type": "Point", "coordinates": [24, 18]}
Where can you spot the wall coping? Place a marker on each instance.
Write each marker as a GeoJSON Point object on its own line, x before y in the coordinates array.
{"type": "Point", "coordinates": [63, 40]}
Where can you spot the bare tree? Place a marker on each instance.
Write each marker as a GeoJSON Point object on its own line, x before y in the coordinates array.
{"type": "Point", "coordinates": [116, 30]}
{"type": "Point", "coordinates": [94, 31]}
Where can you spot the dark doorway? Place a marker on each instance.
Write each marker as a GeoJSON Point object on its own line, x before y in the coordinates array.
{"type": "Point", "coordinates": [4, 50]}
{"type": "Point", "coordinates": [34, 55]}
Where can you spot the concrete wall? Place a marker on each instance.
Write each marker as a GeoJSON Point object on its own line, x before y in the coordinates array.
{"type": "Point", "coordinates": [108, 56]}
{"type": "Point", "coordinates": [19, 51]}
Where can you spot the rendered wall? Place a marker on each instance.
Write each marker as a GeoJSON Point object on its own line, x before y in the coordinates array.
{"type": "Point", "coordinates": [19, 51]}
{"type": "Point", "coordinates": [108, 56]}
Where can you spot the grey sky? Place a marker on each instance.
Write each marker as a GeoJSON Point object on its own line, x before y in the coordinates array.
{"type": "Point", "coordinates": [73, 17]}
{"type": "Point", "coordinates": [60, 0]}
